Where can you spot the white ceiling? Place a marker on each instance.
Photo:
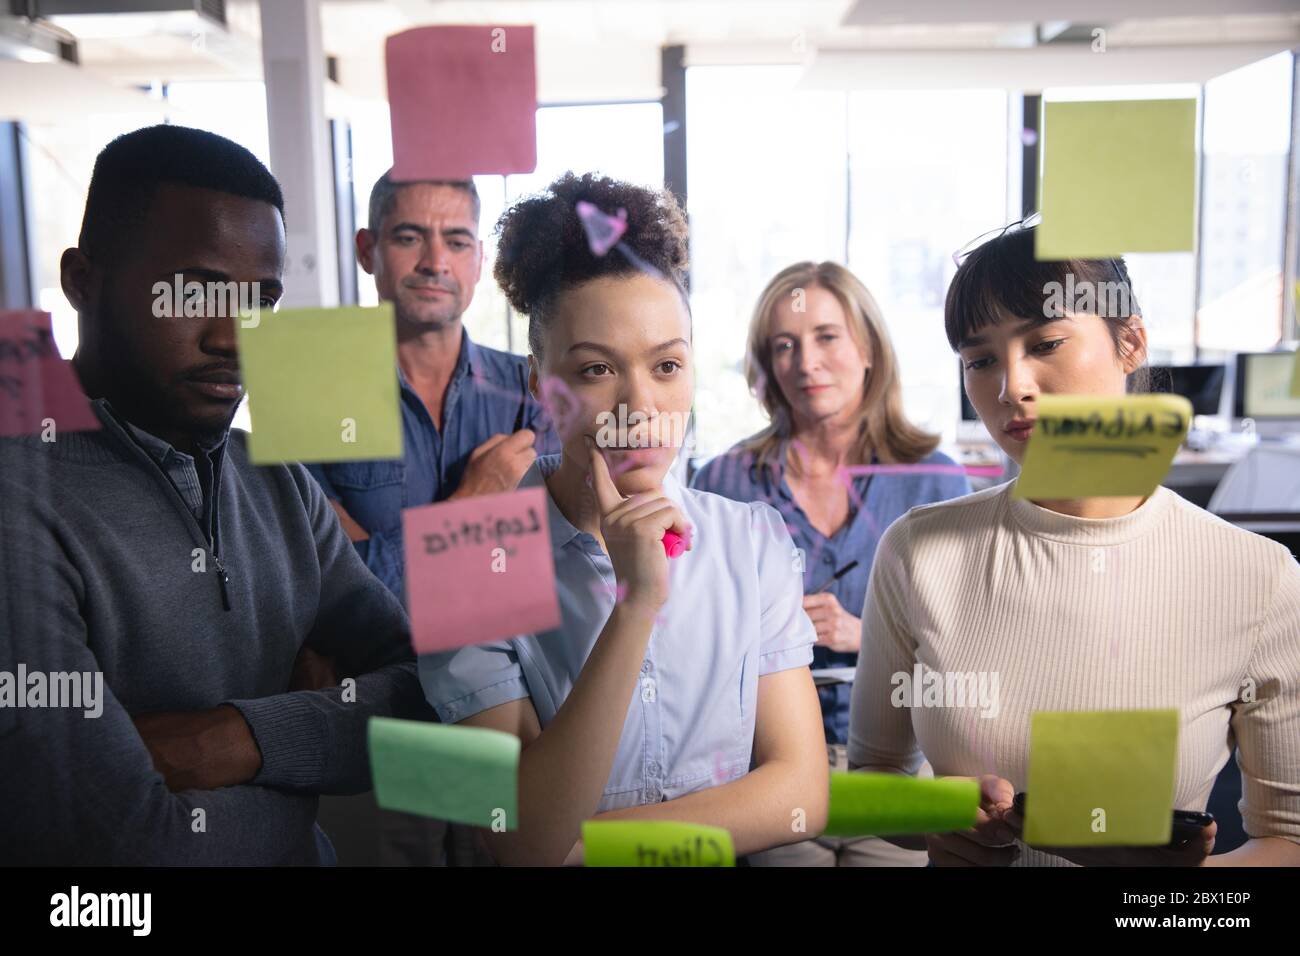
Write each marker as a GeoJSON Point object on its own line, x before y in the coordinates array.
{"type": "Point", "coordinates": [610, 50]}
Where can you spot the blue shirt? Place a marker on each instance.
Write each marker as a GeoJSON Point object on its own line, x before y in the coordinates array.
{"type": "Point", "coordinates": [885, 498]}
{"type": "Point", "coordinates": [734, 613]}
{"type": "Point", "coordinates": [487, 395]}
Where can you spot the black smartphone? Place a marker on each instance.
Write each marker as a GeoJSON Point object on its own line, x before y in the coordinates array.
{"type": "Point", "coordinates": [1187, 826]}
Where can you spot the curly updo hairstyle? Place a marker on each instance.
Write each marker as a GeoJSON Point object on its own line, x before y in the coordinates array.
{"type": "Point", "coordinates": [542, 248]}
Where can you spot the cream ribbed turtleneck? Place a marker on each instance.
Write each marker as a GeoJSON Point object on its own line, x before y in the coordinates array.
{"type": "Point", "coordinates": [1167, 606]}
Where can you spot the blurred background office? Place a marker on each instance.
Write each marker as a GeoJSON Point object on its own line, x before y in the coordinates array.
{"type": "Point", "coordinates": [882, 134]}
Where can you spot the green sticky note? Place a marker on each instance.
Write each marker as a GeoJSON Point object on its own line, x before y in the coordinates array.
{"type": "Point", "coordinates": [1101, 446]}
{"type": "Point", "coordinates": [322, 384]}
{"type": "Point", "coordinates": [1101, 778]}
{"type": "Point", "coordinates": [655, 843]}
{"type": "Point", "coordinates": [465, 774]}
{"type": "Point", "coordinates": [892, 803]}
{"type": "Point", "coordinates": [1117, 176]}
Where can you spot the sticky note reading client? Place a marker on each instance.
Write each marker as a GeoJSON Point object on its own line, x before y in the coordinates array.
{"type": "Point", "coordinates": [1102, 446]}
{"type": "Point", "coordinates": [466, 774]}
{"type": "Point", "coordinates": [479, 569]}
{"type": "Point", "coordinates": [322, 384]}
{"type": "Point", "coordinates": [655, 843]}
{"type": "Point", "coordinates": [37, 387]}
{"type": "Point", "coordinates": [1101, 778]}
{"type": "Point", "coordinates": [890, 803]}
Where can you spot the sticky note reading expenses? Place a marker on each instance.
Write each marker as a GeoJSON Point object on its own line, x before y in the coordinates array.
{"type": "Point", "coordinates": [322, 384]}
{"type": "Point", "coordinates": [479, 569]}
{"type": "Point", "coordinates": [36, 384]}
{"type": "Point", "coordinates": [891, 803]}
{"type": "Point", "coordinates": [655, 843]}
{"type": "Point", "coordinates": [1101, 778]}
{"type": "Point", "coordinates": [1118, 176]}
{"type": "Point", "coordinates": [1098, 446]}
{"type": "Point", "coordinates": [465, 774]}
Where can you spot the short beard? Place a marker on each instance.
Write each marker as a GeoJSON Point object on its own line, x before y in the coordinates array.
{"type": "Point", "coordinates": [406, 320]}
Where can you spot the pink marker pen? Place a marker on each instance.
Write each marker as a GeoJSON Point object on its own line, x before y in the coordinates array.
{"type": "Point", "coordinates": [674, 544]}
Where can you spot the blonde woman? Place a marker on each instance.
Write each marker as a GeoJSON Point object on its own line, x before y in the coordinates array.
{"type": "Point", "coordinates": [821, 363]}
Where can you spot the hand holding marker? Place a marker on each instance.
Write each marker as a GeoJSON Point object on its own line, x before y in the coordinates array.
{"type": "Point", "coordinates": [675, 545]}
{"type": "Point", "coordinates": [634, 530]}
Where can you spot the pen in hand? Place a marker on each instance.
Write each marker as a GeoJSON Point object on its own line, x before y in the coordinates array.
{"type": "Point", "coordinates": [836, 576]}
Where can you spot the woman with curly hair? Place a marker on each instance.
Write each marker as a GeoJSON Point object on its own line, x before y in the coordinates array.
{"type": "Point", "coordinates": [672, 689]}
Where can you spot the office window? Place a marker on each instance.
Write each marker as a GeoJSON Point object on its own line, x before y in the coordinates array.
{"type": "Point", "coordinates": [1164, 283]}
{"type": "Point", "coordinates": [620, 140]}
{"type": "Point", "coordinates": [767, 188]}
{"type": "Point", "coordinates": [623, 140]}
{"type": "Point", "coordinates": [1243, 206]}
{"type": "Point", "coordinates": [59, 159]}
{"type": "Point", "coordinates": [928, 175]}
{"type": "Point", "coordinates": [61, 156]}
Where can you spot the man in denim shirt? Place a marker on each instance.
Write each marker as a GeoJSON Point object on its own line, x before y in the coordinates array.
{"type": "Point", "coordinates": [469, 424]}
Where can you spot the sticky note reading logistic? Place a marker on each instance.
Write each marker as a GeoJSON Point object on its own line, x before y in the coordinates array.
{"type": "Point", "coordinates": [1118, 176]}
{"type": "Point", "coordinates": [891, 803]}
{"type": "Point", "coordinates": [465, 774]}
{"type": "Point", "coordinates": [655, 843]}
{"type": "Point", "coordinates": [322, 384]}
{"type": "Point", "coordinates": [1101, 446]}
{"type": "Point", "coordinates": [1101, 778]}
{"type": "Point", "coordinates": [479, 569]}
{"type": "Point", "coordinates": [37, 387]}
{"type": "Point", "coordinates": [463, 101]}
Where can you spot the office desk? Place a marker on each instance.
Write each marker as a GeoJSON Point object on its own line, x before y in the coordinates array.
{"type": "Point", "coordinates": [1282, 527]}
{"type": "Point", "coordinates": [1195, 474]}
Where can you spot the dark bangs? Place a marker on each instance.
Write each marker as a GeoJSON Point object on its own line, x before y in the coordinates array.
{"type": "Point", "coordinates": [1002, 278]}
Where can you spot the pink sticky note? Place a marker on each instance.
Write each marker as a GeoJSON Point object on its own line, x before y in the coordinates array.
{"type": "Point", "coordinates": [603, 230]}
{"type": "Point", "coordinates": [35, 382]}
{"type": "Point", "coordinates": [462, 100]}
{"type": "Point", "coordinates": [479, 569]}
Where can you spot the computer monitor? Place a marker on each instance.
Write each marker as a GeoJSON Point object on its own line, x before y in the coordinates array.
{"type": "Point", "coordinates": [1202, 385]}
{"type": "Point", "coordinates": [1263, 386]}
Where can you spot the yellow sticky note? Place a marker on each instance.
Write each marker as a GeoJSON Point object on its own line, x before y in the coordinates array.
{"type": "Point", "coordinates": [1118, 176]}
{"type": "Point", "coordinates": [322, 384]}
{"type": "Point", "coordinates": [1101, 778]}
{"type": "Point", "coordinates": [655, 843]}
{"type": "Point", "coordinates": [1085, 446]}
{"type": "Point", "coordinates": [892, 803]}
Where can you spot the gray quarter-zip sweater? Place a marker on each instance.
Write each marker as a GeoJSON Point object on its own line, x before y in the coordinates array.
{"type": "Point", "coordinates": [106, 566]}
